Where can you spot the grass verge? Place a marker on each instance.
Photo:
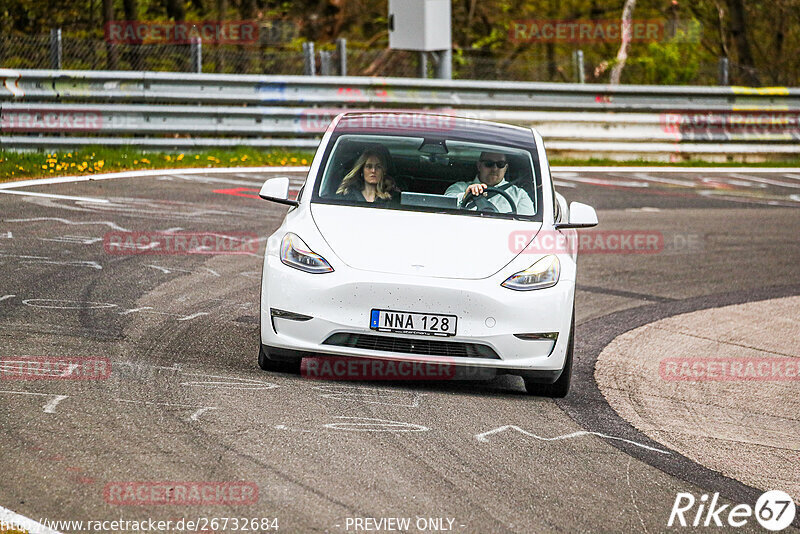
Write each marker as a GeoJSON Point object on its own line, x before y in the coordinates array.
{"type": "Point", "coordinates": [96, 160]}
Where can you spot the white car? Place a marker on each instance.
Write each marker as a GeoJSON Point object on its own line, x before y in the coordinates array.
{"type": "Point", "coordinates": [386, 255]}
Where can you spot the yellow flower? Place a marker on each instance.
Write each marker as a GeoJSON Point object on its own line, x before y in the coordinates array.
{"type": "Point", "coordinates": [101, 163]}
{"type": "Point", "coordinates": [304, 161]}
{"type": "Point", "coordinates": [136, 162]}
{"type": "Point", "coordinates": [197, 156]}
{"type": "Point", "coordinates": [180, 157]}
{"type": "Point", "coordinates": [44, 167]}
{"type": "Point", "coordinates": [168, 157]}
{"type": "Point", "coordinates": [145, 160]}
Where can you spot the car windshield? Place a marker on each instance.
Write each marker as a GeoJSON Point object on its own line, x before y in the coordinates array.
{"type": "Point", "coordinates": [430, 174]}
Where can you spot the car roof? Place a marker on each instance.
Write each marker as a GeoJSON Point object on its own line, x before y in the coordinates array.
{"type": "Point", "coordinates": [433, 125]}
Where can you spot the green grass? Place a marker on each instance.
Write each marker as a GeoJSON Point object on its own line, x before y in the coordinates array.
{"type": "Point", "coordinates": [96, 160]}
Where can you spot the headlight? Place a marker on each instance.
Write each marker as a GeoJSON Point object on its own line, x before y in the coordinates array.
{"type": "Point", "coordinates": [295, 253]}
{"type": "Point", "coordinates": [544, 273]}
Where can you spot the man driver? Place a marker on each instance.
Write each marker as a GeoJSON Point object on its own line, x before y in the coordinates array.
{"type": "Point", "coordinates": [492, 168]}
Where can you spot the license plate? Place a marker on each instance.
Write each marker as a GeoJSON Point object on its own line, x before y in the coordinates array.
{"type": "Point", "coordinates": [428, 324]}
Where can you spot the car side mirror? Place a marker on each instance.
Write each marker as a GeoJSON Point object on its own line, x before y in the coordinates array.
{"type": "Point", "coordinates": [277, 190]}
{"type": "Point", "coordinates": [580, 216]}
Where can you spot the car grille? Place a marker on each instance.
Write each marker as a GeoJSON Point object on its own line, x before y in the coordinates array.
{"type": "Point", "coordinates": [424, 347]}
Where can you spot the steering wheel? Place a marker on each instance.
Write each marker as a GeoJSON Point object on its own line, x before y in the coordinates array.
{"type": "Point", "coordinates": [470, 199]}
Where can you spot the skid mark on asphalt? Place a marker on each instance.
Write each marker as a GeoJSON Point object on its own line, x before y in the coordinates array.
{"type": "Point", "coordinates": [65, 304]}
{"type": "Point", "coordinates": [484, 437]}
{"type": "Point", "coordinates": [633, 499]}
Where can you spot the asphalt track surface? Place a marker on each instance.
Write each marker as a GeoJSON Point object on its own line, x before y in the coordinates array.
{"type": "Point", "coordinates": [186, 401]}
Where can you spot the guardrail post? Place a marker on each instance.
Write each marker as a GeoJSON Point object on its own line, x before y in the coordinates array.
{"type": "Point", "coordinates": [580, 71]}
{"type": "Point", "coordinates": [325, 63]}
{"type": "Point", "coordinates": [724, 70]}
{"type": "Point", "coordinates": [55, 48]}
{"type": "Point", "coordinates": [423, 64]}
{"type": "Point", "coordinates": [443, 68]}
{"type": "Point", "coordinates": [341, 49]}
{"type": "Point", "coordinates": [309, 67]}
{"type": "Point", "coordinates": [197, 54]}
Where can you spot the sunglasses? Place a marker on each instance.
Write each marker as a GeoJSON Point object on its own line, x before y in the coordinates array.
{"type": "Point", "coordinates": [489, 164]}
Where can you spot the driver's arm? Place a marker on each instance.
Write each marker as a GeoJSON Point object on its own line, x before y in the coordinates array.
{"type": "Point", "coordinates": [523, 202]}
{"type": "Point", "coordinates": [457, 190]}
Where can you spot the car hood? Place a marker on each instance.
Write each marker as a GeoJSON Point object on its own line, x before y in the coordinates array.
{"type": "Point", "coordinates": [424, 244]}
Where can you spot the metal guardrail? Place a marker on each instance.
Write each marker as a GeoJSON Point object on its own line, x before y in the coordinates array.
{"type": "Point", "coordinates": [44, 108]}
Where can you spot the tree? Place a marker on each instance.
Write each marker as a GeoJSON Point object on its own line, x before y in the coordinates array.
{"type": "Point", "coordinates": [622, 55]}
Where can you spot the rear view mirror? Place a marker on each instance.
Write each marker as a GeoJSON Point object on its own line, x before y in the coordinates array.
{"type": "Point", "coordinates": [277, 190]}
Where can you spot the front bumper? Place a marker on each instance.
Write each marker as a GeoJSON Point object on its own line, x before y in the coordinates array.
{"type": "Point", "coordinates": [488, 315]}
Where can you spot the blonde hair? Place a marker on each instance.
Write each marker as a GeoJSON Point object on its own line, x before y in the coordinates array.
{"type": "Point", "coordinates": [355, 178]}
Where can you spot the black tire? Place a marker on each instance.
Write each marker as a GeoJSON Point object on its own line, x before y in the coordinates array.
{"type": "Point", "coordinates": [559, 388]}
{"type": "Point", "coordinates": [277, 366]}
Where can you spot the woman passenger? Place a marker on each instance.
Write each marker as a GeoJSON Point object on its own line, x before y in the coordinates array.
{"type": "Point", "coordinates": [368, 180]}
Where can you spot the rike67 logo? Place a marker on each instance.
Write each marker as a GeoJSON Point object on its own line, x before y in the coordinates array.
{"type": "Point", "coordinates": [774, 510]}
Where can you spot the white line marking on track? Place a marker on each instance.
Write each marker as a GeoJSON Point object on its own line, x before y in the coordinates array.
{"type": "Point", "coordinates": [155, 172]}
{"type": "Point", "coordinates": [196, 415]}
{"type": "Point", "coordinates": [60, 197]}
{"type": "Point", "coordinates": [50, 407]}
{"type": "Point", "coordinates": [684, 170]}
{"type": "Point", "coordinates": [92, 264]}
{"type": "Point", "coordinates": [6, 297]}
{"type": "Point", "coordinates": [73, 239]}
{"type": "Point", "coordinates": [766, 181]}
{"type": "Point", "coordinates": [133, 310]}
{"type": "Point", "coordinates": [360, 394]}
{"type": "Point", "coordinates": [229, 382]}
{"type": "Point", "coordinates": [13, 519]}
{"type": "Point", "coordinates": [110, 224]}
{"type": "Point", "coordinates": [47, 408]}
{"type": "Point", "coordinates": [192, 316]}
{"type": "Point", "coordinates": [484, 437]}
{"type": "Point", "coordinates": [646, 177]}
{"type": "Point", "coordinates": [372, 424]}
{"type": "Point", "coordinates": [71, 304]}
{"type": "Point", "coordinates": [7, 235]}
